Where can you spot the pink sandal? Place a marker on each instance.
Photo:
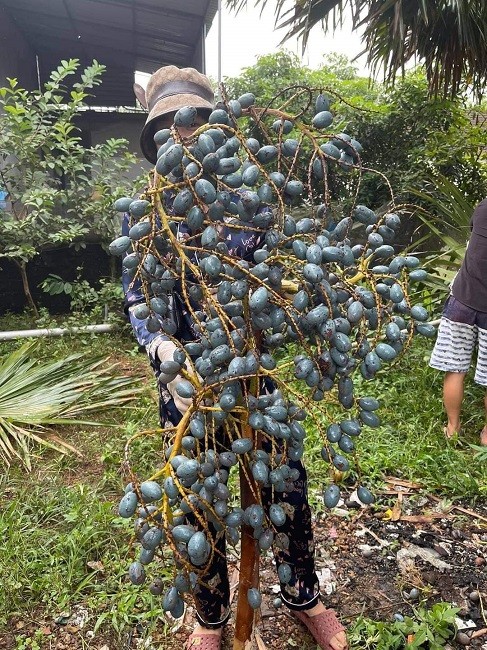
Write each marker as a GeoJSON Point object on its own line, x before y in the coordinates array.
{"type": "Point", "coordinates": [202, 641]}
{"type": "Point", "coordinates": [323, 627]}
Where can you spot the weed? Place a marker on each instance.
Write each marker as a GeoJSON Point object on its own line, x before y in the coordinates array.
{"type": "Point", "coordinates": [428, 629]}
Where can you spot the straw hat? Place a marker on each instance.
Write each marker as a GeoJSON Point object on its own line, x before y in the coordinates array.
{"type": "Point", "coordinates": [169, 89]}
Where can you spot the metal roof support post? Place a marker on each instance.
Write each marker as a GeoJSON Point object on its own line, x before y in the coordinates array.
{"type": "Point", "coordinates": [219, 46]}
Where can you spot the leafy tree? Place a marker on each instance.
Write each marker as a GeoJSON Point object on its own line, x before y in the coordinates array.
{"type": "Point", "coordinates": [448, 35]}
{"type": "Point", "coordinates": [414, 138]}
{"type": "Point", "coordinates": [59, 191]}
{"type": "Point", "coordinates": [407, 135]}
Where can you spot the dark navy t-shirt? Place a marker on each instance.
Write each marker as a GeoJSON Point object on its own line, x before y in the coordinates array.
{"type": "Point", "coordinates": [470, 284]}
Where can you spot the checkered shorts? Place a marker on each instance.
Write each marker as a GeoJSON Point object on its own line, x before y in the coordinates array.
{"type": "Point", "coordinates": [461, 330]}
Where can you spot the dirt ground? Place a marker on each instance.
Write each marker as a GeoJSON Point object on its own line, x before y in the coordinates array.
{"type": "Point", "coordinates": [367, 562]}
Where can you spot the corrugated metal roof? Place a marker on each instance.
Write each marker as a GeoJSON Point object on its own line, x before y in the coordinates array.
{"type": "Point", "coordinates": [124, 35]}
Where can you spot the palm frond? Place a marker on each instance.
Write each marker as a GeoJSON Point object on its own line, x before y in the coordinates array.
{"type": "Point", "coordinates": [449, 36]}
{"type": "Point", "coordinates": [446, 214]}
{"type": "Point", "coordinates": [35, 395]}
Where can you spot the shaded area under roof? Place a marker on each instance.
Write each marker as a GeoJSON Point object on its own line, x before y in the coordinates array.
{"type": "Point", "coordinates": [124, 35]}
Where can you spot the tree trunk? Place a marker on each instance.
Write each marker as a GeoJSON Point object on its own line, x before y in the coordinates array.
{"type": "Point", "coordinates": [22, 266]}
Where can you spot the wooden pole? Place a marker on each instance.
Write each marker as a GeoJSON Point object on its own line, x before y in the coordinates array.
{"type": "Point", "coordinates": [249, 569]}
{"type": "Point", "coordinates": [249, 552]}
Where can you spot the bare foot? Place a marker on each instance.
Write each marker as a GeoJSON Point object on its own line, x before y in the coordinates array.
{"type": "Point", "coordinates": [483, 437]}
{"type": "Point", "coordinates": [451, 430]}
{"type": "Point", "coordinates": [337, 642]}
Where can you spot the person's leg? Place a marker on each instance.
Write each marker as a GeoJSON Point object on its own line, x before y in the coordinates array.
{"type": "Point", "coordinates": [301, 593]}
{"type": "Point", "coordinates": [481, 367]}
{"type": "Point", "coordinates": [452, 400]}
{"type": "Point", "coordinates": [452, 353]}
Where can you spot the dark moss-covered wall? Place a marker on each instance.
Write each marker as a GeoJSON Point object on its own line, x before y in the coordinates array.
{"type": "Point", "coordinates": [95, 263]}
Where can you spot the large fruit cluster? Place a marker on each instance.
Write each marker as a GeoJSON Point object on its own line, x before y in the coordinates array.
{"type": "Point", "coordinates": [333, 292]}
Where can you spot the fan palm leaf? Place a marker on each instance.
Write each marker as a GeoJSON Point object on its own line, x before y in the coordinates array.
{"type": "Point", "coordinates": [446, 213]}
{"type": "Point", "coordinates": [449, 36]}
{"type": "Point", "coordinates": [36, 395]}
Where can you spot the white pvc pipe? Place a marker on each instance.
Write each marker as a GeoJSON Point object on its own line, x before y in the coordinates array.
{"type": "Point", "coordinates": [57, 331]}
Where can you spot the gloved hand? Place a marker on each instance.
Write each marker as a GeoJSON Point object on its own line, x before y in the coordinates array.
{"type": "Point", "coordinates": [164, 350]}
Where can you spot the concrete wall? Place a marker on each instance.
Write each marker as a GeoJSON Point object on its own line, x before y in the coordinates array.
{"type": "Point", "coordinates": [99, 126]}
{"type": "Point", "coordinates": [16, 57]}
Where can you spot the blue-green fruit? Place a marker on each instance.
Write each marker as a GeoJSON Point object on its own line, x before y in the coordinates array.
{"type": "Point", "coordinates": [246, 100]}
{"type": "Point", "coordinates": [183, 533]}
{"type": "Point", "coordinates": [119, 245]}
{"type": "Point", "coordinates": [322, 103]}
{"type": "Point", "coordinates": [258, 300]}
{"type": "Point", "coordinates": [182, 202]}
{"type": "Point", "coordinates": [242, 446]}
{"type": "Point", "coordinates": [233, 180]}
{"type": "Point", "coordinates": [170, 599]}
{"type": "Point", "coordinates": [418, 275]}
{"type": "Point", "coordinates": [363, 214]}
{"type": "Point", "coordinates": [284, 573]}
{"type": "Point", "coordinates": [322, 120]}
{"type": "Point", "coordinates": [267, 361]}
{"type": "Point", "coordinates": [396, 293]}
{"type": "Point", "coordinates": [205, 190]}
{"type": "Point", "coordinates": [346, 444]}
{"type": "Point", "coordinates": [185, 116]}
{"type": "Point", "coordinates": [277, 515]}
{"type": "Point", "coordinates": [227, 403]}
{"type": "Point", "coordinates": [139, 208]}
{"type": "Point", "coordinates": [254, 598]}
{"type": "Point", "coordinates": [294, 188]}
{"type": "Point", "coordinates": [260, 471]}
{"type": "Point", "coordinates": [236, 107]}
{"type": "Point", "coordinates": [140, 230]}
{"type": "Point", "coordinates": [418, 312]}
{"type": "Point", "coordinates": [341, 463]}
{"type": "Point", "coordinates": [333, 433]}
{"type": "Point", "coordinates": [122, 205]}
{"type": "Point", "coordinates": [267, 153]}
{"type": "Point", "coordinates": [266, 540]}
{"type": "Point", "coordinates": [209, 237]}
{"type": "Point", "coordinates": [350, 427]}
{"type": "Point", "coordinates": [229, 165]}
{"type": "Point", "coordinates": [289, 147]}
{"type": "Point", "coordinates": [185, 389]}
{"type": "Point", "coordinates": [218, 116]}
{"type": "Point", "coordinates": [250, 175]}
{"type": "Point", "coordinates": [330, 150]}
{"type": "Point", "coordinates": [136, 573]}
{"type": "Point", "coordinates": [198, 547]}
{"type": "Point", "coordinates": [152, 538]}
{"type": "Point", "coordinates": [368, 403]}
{"type": "Point", "coordinates": [370, 419]}
{"type": "Point", "coordinates": [331, 496]}
{"type": "Point", "coordinates": [313, 273]}
{"type": "Point", "coordinates": [174, 155]}
{"type": "Point", "coordinates": [284, 126]}
{"type": "Point", "coordinates": [127, 505]}
{"type": "Point", "coordinates": [150, 491]}
{"type": "Point", "coordinates": [365, 495]}
{"type": "Point", "coordinates": [426, 329]}
{"type": "Point", "coordinates": [385, 352]}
